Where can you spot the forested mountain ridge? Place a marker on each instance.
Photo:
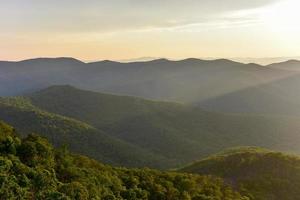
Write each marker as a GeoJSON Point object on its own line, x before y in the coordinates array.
{"type": "Point", "coordinates": [79, 136]}
{"type": "Point", "coordinates": [258, 173]}
{"type": "Point", "coordinates": [31, 168]}
{"type": "Point", "coordinates": [135, 132]}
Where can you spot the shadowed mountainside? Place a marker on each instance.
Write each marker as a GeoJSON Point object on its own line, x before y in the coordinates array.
{"type": "Point", "coordinates": [157, 132]}
{"type": "Point", "coordinates": [187, 81]}
{"type": "Point", "coordinates": [80, 137]}
{"type": "Point", "coordinates": [280, 97]}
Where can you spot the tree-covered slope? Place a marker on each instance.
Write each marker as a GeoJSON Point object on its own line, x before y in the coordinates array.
{"type": "Point", "coordinates": [173, 130]}
{"type": "Point", "coordinates": [136, 132]}
{"type": "Point", "coordinates": [79, 136]}
{"type": "Point", "coordinates": [258, 173]}
{"type": "Point", "coordinates": [147, 124]}
{"type": "Point", "coordinates": [32, 169]}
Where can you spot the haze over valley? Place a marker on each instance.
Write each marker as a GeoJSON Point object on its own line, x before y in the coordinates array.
{"type": "Point", "coordinates": [150, 100]}
{"type": "Point", "coordinates": [216, 85]}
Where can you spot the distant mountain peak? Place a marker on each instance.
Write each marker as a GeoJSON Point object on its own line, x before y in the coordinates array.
{"type": "Point", "coordinates": [192, 60]}
{"type": "Point", "coordinates": [288, 62]}
{"type": "Point", "coordinates": [58, 59]}
{"type": "Point", "coordinates": [56, 88]}
{"type": "Point", "coordinates": [292, 61]}
{"type": "Point", "coordinates": [291, 65]}
{"type": "Point", "coordinates": [160, 60]}
{"type": "Point", "coordinates": [60, 87]}
{"type": "Point", "coordinates": [104, 62]}
{"type": "Point", "coordinates": [227, 61]}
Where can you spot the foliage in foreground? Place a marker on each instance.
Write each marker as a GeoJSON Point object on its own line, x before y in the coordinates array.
{"type": "Point", "coordinates": [31, 168]}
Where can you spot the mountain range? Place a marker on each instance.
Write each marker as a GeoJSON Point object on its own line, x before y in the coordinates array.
{"type": "Point", "coordinates": [136, 132]}
{"type": "Point", "coordinates": [217, 85]}
{"type": "Point", "coordinates": [157, 114]}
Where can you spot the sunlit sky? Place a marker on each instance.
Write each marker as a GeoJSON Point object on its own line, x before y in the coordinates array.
{"type": "Point", "coordinates": [124, 29]}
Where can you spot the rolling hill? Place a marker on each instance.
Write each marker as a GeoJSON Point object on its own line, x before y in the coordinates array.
{"type": "Point", "coordinates": [78, 136]}
{"type": "Point", "coordinates": [157, 134]}
{"type": "Point", "coordinates": [145, 122]}
{"type": "Point", "coordinates": [132, 131]}
{"type": "Point", "coordinates": [257, 173]}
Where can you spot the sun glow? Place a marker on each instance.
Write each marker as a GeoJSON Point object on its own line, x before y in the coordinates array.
{"type": "Point", "coordinates": [283, 16]}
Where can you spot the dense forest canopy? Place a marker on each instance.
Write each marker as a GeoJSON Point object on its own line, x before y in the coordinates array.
{"type": "Point", "coordinates": [30, 168]}
{"type": "Point", "coordinates": [258, 173]}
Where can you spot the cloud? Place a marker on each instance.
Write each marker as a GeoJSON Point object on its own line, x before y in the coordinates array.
{"type": "Point", "coordinates": [120, 15]}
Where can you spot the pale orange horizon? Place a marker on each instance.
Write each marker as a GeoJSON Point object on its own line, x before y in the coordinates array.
{"type": "Point", "coordinates": [126, 29]}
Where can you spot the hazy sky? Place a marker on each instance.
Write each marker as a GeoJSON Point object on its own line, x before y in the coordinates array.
{"type": "Point", "coordinates": [122, 29]}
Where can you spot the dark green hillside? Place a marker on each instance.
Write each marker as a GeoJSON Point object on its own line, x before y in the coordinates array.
{"type": "Point", "coordinates": [173, 130]}
{"type": "Point", "coordinates": [96, 108]}
{"type": "Point", "coordinates": [136, 132]}
{"type": "Point", "coordinates": [32, 169]}
{"type": "Point", "coordinates": [147, 124]}
{"type": "Point", "coordinates": [79, 136]}
{"type": "Point", "coordinates": [258, 173]}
